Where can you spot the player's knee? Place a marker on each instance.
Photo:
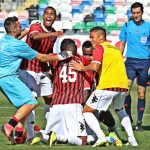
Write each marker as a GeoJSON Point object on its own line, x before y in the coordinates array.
{"type": "Point", "coordinates": [88, 109]}
{"type": "Point", "coordinates": [121, 113]}
{"type": "Point", "coordinates": [141, 95]}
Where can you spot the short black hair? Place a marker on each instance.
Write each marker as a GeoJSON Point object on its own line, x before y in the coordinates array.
{"type": "Point", "coordinates": [50, 7]}
{"type": "Point", "coordinates": [98, 28]}
{"type": "Point", "coordinates": [136, 5]}
{"type": "Point", "coordinates": [86, 44]}
{"type": "Point", "coordinates": [68, 45]}
{"type": "Point", "coordinates": [9, 22]}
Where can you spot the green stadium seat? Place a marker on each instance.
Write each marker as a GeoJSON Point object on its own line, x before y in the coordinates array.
{"type": "Point", "coordinates": [79, 26]}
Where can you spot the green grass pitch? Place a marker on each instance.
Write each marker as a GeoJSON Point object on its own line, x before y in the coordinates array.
{"type": "Point", "coordinates": [143, 138]}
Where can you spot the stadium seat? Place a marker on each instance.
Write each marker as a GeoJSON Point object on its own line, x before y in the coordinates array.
{"type": "Point", "coordinates": [67, 24]}
{"type": "Point", "coordinates": [65, 1]}
{"type": "Point", "coordinates": [110, 19]}
{"type": "Point", "coordinates": [119, 3]}
{"type": "Point", "coordinates": [89, 18]}
{"type": "Point", "coordinates": [69, 32]}
{"type": "Point", "coordinates": [65, 8]}
{"type": "Point", "coordinates": [99, 15]}
{"type": "Point", "coordinates": [24, 23]}
{"type": "Point", "coordinates": [75, 2]}
{"type": "Point", "coordinates": [76, 10]}
{"type": "Point", "coordinates": [89, 25]}
{"type": "Point", "coordinates": [1, 23]}
{"type": "Point", "coordinates": [13, 13]}
{"type": "Point", "coordinates": [101, 24]}
{"type": "Point", "coordinates": [121, 19]}
{"type": "Point", "coordinates": [108, 3]}
{"type": "Point", "coordinates": [78, 17]}
{"type": "Point", "coordinates": [121, 9]}
{"type": "Point", "coordinates": [3, 15]}
{"type": "Point", "coordinates": [23, 15]}
{"type": "Point", "coordinates": [79, 26]}
{"type": "Point", "coordinates": [109, 9]}
{"type": "Point", "coordinates": [66, 16]}
{"type": "Point", "coordinates": [43, 5]}
{"type": "Point", "coordinates": [87, 10]}
{"type": "Point", "coordinates": [86, 3]}
{"type": "Point", "coordinates": [57, 25]}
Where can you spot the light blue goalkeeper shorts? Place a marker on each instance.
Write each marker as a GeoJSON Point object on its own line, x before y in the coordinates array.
{"type": "Point", "coordinates": [16, 91]}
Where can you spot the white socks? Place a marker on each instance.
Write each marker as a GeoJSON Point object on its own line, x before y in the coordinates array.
{"type": "Point", "coordinates": [74, 140]}
{"type": "Point", "coordinates": [93, 124]}
{"type": "Point", "coordinates": [126, 123]}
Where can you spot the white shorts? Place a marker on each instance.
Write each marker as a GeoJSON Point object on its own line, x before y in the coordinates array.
{"type": "Point", "coordinates": [101, 99]}
{"type": "Point", "coordinates": [39, 83]}
{"type": "Point", "coordinates": [67, 120]}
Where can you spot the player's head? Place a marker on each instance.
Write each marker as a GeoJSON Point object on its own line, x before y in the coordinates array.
{"type": "Point", "coordinates": [97, 35]}
{"type": "Point", "coordinates": [137, 11]}
{"type": "Point", "coordinates": [87, 49]}
{"type": "Point", "coordinates": [69, 45]}
{"type": "Point", "coordinates": [12, 26]}
{"type": "Point", "coordinates": [49, 16]}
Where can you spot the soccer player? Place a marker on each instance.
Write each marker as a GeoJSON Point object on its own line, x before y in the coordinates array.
{"type": "Point", "coordinates": [41, 37]}
{"type": "Point", "coordinates": [90, 83]}
{"type": "Point", "coordinates": [12, 51]}
{"type": "Point", "coordinates": [112, 85]}
{"type": "Point", "coordinates": [65, 116]}
{"type": "Point", "coordinates": [136, 33]}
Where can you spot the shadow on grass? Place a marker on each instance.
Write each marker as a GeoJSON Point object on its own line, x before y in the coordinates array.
{"type": "Point", "coordinates": [146, 128]}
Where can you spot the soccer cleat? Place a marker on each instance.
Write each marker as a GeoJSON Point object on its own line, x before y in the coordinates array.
{"type": "Point", "coordinates": [52, 138]}
{"type": "Point", "coordinates": [138, 126]}
{"type": "Point", "coordinates": [38, 138]}
{"type": "Point", "coordinates": [113, 139]}
{"type": "Point", "coordinates": [28, 141]}
{"type": "Point", "coordinates": [7, 130]}
{"type": "Point", "coordinates": [132, 142]}
{"type": "Point", "coordinates": [101, 142]}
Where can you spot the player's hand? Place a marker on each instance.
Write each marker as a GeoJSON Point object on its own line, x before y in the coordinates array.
{"type": "Point", "coordinates": [76, 65]}
{"type": "Point", "coordinates": [64, 55]}
{"type": "Point", "coordinates": [57, 33]}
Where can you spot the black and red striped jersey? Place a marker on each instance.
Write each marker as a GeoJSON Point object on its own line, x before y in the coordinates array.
{"type": "Point", "coordinates": [68, 83]}
{"type": "Point", "coordinates": [44, 46]}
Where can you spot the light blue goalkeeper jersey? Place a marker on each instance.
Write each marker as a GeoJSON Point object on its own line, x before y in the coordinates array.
{"type": "Point", "coordinates": [137, 38]}
{"type": "Point", "coordinates": [12, 51]}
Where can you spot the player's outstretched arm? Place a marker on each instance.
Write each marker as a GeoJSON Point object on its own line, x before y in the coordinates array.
{"type": "Point", "coordinates": [39, 36]}
{"type": "Point", "coordinates": [80, 66]}
{"type": "Point", "coordinates": [53, 57]}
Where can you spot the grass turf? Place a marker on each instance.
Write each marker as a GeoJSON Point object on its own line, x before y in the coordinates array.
{"type": "Point", "coordinates": [6, 111]}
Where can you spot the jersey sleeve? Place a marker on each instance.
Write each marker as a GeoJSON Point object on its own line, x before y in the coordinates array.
{"type": "Point", "coordinates": [25, 51]}
{"type": "Point", "coordinates": [85, 61]}
{"type": "Point", "coordinates": [54, 63]}
{"type": "Point", "coordinates": [123, 33]}
{"type": "Point", "coordinates": [98, 54]}
{"type": "Point", "coordinates": [87, 80]}
{"type": "Point", "coordinates": [34, 28]}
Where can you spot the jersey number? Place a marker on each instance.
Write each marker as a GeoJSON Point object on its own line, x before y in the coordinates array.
{"type": "Point", "coordinates": [70, 76]}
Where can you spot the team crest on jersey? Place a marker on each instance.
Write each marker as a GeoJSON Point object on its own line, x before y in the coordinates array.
{"type": "Point", "coordinates": [82, 127]}
{"type": "Point", "coordinates": [95, 99]}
